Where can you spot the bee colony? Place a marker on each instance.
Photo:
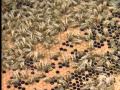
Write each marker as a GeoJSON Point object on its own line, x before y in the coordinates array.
{"type": "Point", "coordinates": [60, 44]}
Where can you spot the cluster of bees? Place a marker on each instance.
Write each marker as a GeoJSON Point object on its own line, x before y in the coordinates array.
{"type": "Point", "coordinates": [77, 62]}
